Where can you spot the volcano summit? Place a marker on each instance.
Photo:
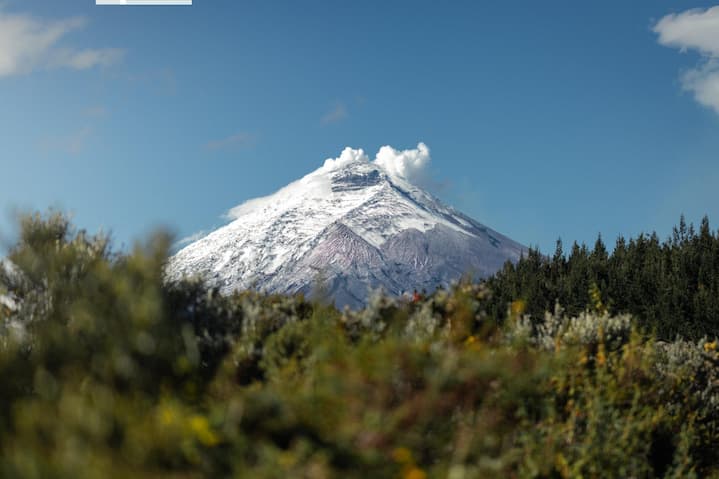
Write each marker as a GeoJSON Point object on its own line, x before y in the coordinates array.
{"type": "Point", "coordinates": [356, 224]}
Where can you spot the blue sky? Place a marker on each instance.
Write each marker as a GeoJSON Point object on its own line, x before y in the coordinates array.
{"type": "Point", "coordinates": [544, 119]}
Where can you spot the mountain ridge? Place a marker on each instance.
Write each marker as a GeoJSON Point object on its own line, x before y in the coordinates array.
{"type": "Point", "coordinates": [361, 223]}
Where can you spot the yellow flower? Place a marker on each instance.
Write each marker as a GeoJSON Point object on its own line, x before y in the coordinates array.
{"type": "Point", "coordinates": [402, 455]}
{"type": "Point", "coordinates": [167, 415]}
{"type": "Point", "coordinates": [601, 357]}
{"type": "Point", "coordinates": [517, 307]}
{"type": "Point", "coordinates": [415, 473]}
{"type": "Point", "coordinates": [710, 346]}
{"type": "Point", "coordinates": [583, 359]}
{"type": "Point", "coordinates": [561, 464]}
{"type": "Point", "coordinates": [200, 427]}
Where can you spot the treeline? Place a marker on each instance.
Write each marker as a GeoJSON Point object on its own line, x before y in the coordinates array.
{"type": "Point", "coordinates": [670, 286]}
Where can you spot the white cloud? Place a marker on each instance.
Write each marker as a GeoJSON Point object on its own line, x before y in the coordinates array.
{"type": "Point", "coordinates": [704, 83]}
{"type": "Point", "coordinates": [85, 59]}
{"type": "Point", "coordinates": [237, 140]}
{"type": "Point", "coordinates": [696, 29]}
{"type": "Point", "coordinates": [348, 155]}
{"type": "Point", "coordinates": [335, 115]}
{"type": "Point", "coordinates": [408, 164]}
{"type": "Point", "coordinates": [28, 43]}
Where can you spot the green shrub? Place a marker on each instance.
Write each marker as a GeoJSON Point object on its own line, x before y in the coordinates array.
{"type": "Point", "coordinates": [107, 371]}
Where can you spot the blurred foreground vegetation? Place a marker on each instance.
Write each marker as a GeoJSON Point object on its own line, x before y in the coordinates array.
{"type": "Point", "coordinates": [107, 372]}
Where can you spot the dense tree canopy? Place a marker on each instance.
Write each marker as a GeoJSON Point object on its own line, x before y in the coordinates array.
{"type": "Point", "coordinates": [671, 286]}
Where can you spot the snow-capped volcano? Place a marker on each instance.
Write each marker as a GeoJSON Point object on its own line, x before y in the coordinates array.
{"type": "Point", "coordinates": [356, 224]}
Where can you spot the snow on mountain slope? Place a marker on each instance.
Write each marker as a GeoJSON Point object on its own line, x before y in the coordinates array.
{"type": "Point", "coordinates": [355, 223]}
{"type": "Point", "coordinates": [7, 271]}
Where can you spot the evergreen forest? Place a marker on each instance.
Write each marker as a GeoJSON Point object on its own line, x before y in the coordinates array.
{"type": "Point", "coordinates": [670, 287]}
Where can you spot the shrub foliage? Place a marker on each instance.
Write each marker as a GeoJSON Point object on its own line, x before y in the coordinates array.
{"type": "Point", "coordinates": [106, 371]}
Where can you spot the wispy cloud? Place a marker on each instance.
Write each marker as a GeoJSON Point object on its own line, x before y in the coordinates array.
{"type": "Point", "coordinates": [97, 111]}
{"type": "Point", "coordinates": [335, 115]}
{"type": "Point", "coordinates": [181, 243]}
{"type": "Point", "coordinates": [73, 143]}
{"type": "Point", "coordinates": [696, 29]}
{"type": "Point", "coordinates": [28, 43]}
{"type": "Point", "coordinates": [238, 140]}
